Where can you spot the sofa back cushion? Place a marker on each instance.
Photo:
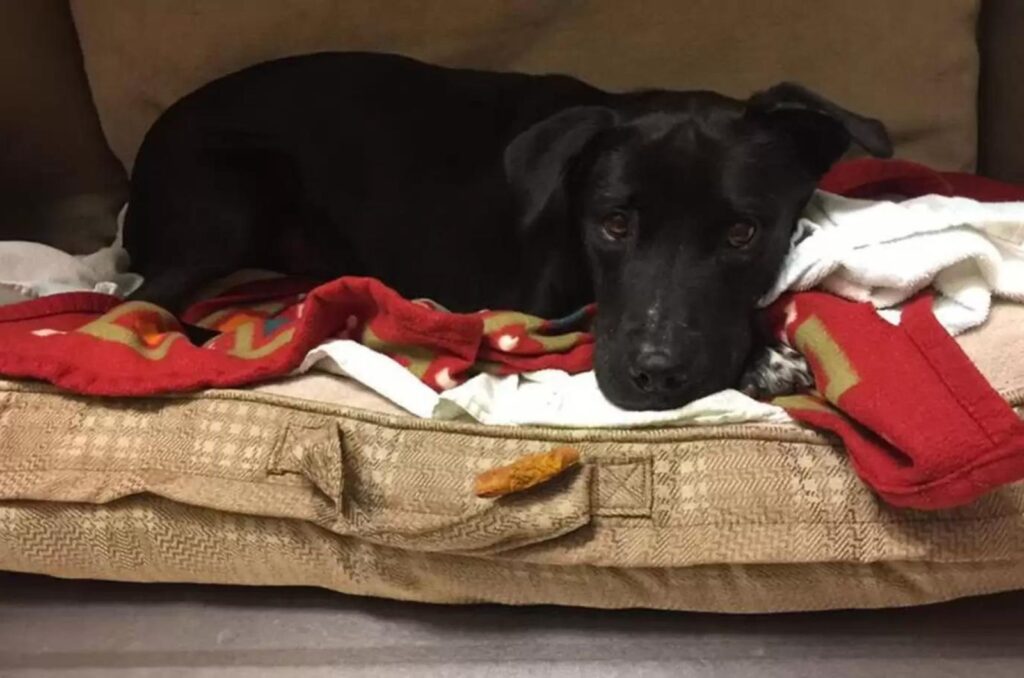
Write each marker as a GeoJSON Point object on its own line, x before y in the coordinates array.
{"type": "Point", "coordinates": [912, 63]}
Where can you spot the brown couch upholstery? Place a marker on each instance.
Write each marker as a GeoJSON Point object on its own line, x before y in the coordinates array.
{"type": "Point", "coordinates": [60, 182]}
{"type": "Point", "coordinates": [141, 60]}
{"type": "Point", "coordinates": [1001, 121]}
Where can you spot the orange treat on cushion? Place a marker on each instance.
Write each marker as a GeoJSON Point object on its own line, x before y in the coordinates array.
{"type": "Point", "coordinates": [525, 472]}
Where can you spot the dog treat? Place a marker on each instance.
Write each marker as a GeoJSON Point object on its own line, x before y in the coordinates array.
{"type": "Point", "coordinates": [526, 472]}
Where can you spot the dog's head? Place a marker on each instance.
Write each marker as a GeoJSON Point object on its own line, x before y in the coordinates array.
{"type": "Point", "coordinates": [684, 204]}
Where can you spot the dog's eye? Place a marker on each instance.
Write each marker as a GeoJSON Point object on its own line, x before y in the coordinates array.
{"type": "Point", "coordinates": [615, 226]}
{"type": "Point", "coordinates": [741, 234]}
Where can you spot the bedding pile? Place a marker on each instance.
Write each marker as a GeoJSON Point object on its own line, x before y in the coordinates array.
{"type": "Point", "coordinates": [30, 270]}
{"type": "Point", "coordinates": [501, 367]}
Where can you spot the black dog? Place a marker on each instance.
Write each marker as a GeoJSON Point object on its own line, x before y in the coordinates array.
{"type": "Point", "coordinates": [673, 210]}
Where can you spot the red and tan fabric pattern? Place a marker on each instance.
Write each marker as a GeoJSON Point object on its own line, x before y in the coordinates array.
{"type": "Point", "coordinates": [922, 426]}
{"type": "Point", "coordinates": [94, 344]}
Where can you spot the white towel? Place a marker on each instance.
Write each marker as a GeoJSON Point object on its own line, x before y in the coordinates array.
{"type": "Point", "coordinates": [29, 270]}
{"type": "Point", "coordinates": [555, 398]}
{"type": "Point", "coordinates": [883, 252]}
{"type": "Point", "coordinates": [374, 370]}
{"type": "Point", "coordinates": [546, 398]}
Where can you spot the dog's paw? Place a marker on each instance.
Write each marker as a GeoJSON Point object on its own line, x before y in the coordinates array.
{"type": "Point", "coordinates": [774, 371]}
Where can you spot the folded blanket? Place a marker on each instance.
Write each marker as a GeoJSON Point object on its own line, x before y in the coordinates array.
{"type": "Point", "coordinates": [551, 397]}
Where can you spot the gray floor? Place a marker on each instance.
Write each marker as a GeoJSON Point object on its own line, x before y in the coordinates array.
{"type": "Point", "coordinates": [76, 629]}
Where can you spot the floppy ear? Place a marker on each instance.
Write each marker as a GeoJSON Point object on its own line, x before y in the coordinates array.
{"type": "Point", "coordinates": [537, 160]}
{"type": "Point", "coordinates": [821, 129]}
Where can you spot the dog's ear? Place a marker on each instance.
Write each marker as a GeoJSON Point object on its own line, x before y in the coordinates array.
{"type": "Point", "coordinates": [537, 160]}
{"type": "Point", "coordinates": [821, 129]}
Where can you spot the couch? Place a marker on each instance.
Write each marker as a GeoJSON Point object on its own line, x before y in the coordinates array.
{"type": "Point", "coordinates": [314, 481]}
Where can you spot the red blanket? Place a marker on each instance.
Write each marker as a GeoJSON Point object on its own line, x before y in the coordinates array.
{"type": "Point", "coordinates": [93, 344]}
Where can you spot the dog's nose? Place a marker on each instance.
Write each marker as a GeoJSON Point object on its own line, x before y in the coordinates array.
{"type": "Point", "coordinates": [655, 371]}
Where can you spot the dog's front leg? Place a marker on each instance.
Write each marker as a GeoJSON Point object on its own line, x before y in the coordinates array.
{"type": "Point", "coordinates": [775, 370]}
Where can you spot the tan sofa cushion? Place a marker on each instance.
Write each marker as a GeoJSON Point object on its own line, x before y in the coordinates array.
{"type": "Point", "coordinates": [255, 488]}
{"type": "Point", "coordinates": [913, 63]}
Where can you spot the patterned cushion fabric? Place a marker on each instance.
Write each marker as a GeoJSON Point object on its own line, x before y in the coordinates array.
{"type": "Point", "coordinates": [271, 487]}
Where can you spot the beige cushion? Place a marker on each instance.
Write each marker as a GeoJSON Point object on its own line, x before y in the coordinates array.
{"type": "Point", "coordinates": [997, 346]}
{"type": "Point", "coordinates": [333, 487]}
{"type": "Point", "coordinates": [912, 63]}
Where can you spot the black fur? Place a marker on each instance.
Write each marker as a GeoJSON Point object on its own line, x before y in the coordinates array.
{"type": "Point", "coordinates": [487, 190]}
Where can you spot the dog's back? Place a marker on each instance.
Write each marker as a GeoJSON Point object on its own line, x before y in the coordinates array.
{"type": "Point", "coordinates": [339, 164]}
